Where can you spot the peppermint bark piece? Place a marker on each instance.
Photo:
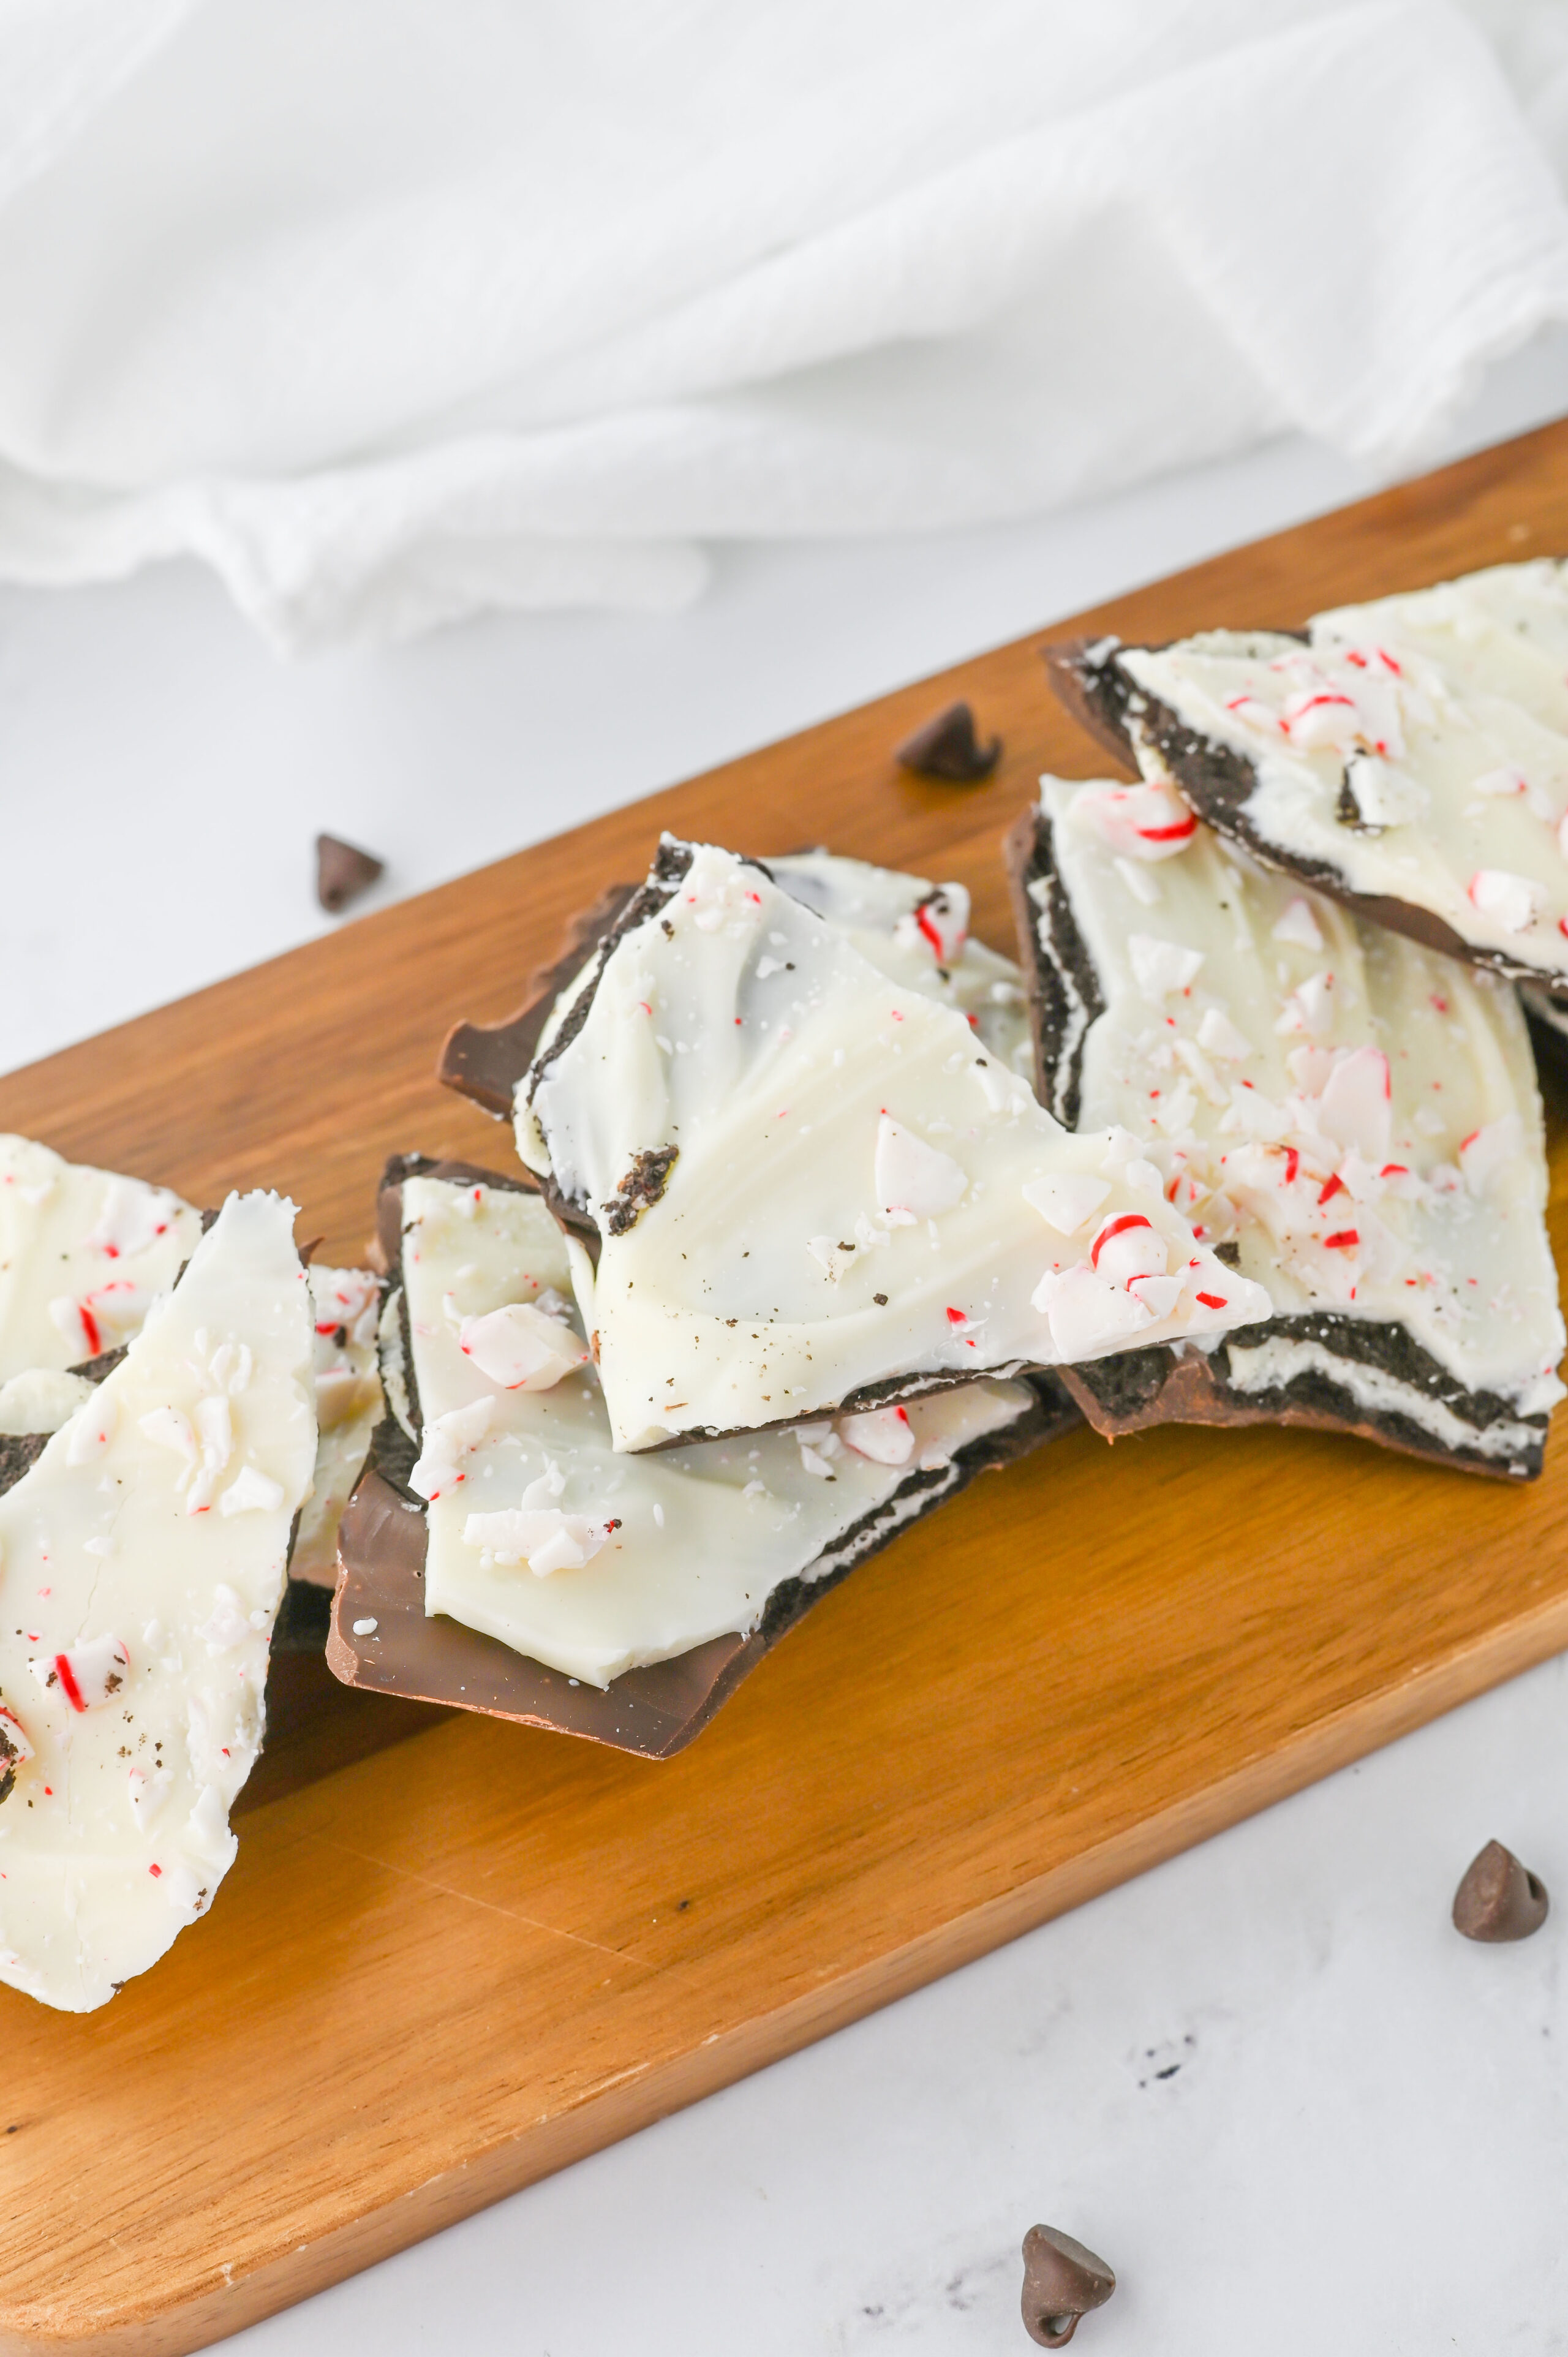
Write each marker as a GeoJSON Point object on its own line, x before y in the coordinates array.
{"type": "Point", "coordinates": [797, 1187]}
{"type": "Point", "coordinates": [549, 1578]}
{"type": "Point", "coordinates": [1352, 1117]}
{"type": "Point", "coordinates": [144, 1561]}
{"type": "Point", "coordinates": [1409, 756]}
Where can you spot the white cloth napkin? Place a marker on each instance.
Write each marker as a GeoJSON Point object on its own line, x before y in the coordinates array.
{"type": "Point", "coordinates": [391, 312]}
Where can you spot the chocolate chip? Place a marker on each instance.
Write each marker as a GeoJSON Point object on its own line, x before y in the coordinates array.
{"type": "Point", "coordinates": [342, 871]}
{"type": "Point", "coordinates": [1500, 1899]}
{"type": "Point", "coordinates": [1062, 2281]}
{"type": "Point", "coordinates": [947, 747]}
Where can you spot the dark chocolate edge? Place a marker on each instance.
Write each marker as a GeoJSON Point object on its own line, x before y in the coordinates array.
{"type": "Point", "coordinates": [1056, 964]}
{"type": "Point", "coordinates": [484, 1061]}
{"type": "Point", "coordinates": [1133, 1390]}
{"type": "Point", "coordinates": [1054, 1412]}
{"type": "Point", "coordinates": [1219, 782]}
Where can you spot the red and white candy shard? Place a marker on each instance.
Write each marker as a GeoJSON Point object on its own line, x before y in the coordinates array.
{"type": "Point", "coordinates": [1160, 967]}
{"type": "Point", "coordinates": [86, 1675]}
{"type": "Point", "coordinates": [1147, 822]}
{"type": "Point", "coordinates": [1509, 901]}
{"type": "Point", "coordinates": [940, 920]}
{"type": "Point", "coordinates": [143, 1622]}
{"type": "Point", "coordinates": [520, 1349]}
{"type": "Point", "coordinates": [884, 1433]}
{"type": "Point", "coordinates": [448, 1442]}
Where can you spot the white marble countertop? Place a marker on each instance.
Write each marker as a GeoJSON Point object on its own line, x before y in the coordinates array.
{"type": "Point", "coordinates": [1267, 2082]}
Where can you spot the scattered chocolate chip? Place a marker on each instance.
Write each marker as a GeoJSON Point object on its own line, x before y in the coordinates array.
{"type": "Point", "coordinates": [342, 871]}
{"type": "Point", "coordinates": [1062, 2281]}
{"type": "Point", "coordinates": [947, 747]}
{"type": "Point", "coordinates": [308, 1252]}
{"type": "Point", "coordinates": [1500, 1899]}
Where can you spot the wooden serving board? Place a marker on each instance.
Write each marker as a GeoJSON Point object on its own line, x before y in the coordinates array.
{"type": "Point", "coordinates": [453, 1954]}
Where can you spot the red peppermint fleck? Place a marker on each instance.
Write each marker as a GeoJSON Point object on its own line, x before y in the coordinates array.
{"type": "Point", "coordinates": [1292, 1164]}
{"type": "Point", "coordinates": [1177, 833]}
{"type": "Point", "coordinates": [68, 1685]}
{"type": "Point", "coordinates": [957, 1317]}
{"type": "Point", "coordinates": [1342, 1240]}
{"type": "Point", "coordinates": [1331, 1187]}
{"type": "Point", "coordinates": [1112, 1228]}
{"type": "Point", "coordinates": [1394, 1170]}
{"type": "Point", "coordinates": [1212, 1301]}
{"type": "Point", "coordinates": [1440, 1002]}
{"type": "Point", "coordinates": [155, 1870]}
{"type": "Point", "coordinates": [89, 1328]}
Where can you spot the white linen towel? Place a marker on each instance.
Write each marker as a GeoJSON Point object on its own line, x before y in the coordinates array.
{"type": "Point", "coordinates": [393, 312]}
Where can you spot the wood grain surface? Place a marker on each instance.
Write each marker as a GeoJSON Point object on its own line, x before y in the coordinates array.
{"type": "Point", "coordinates": [473, 1954]}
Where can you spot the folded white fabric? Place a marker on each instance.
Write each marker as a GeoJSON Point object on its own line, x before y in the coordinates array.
{"type": "Point", "coordinates": [392, 312]}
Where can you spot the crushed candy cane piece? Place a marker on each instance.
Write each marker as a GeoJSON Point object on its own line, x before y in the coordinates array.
{"type": "Point", "coordinates": [913, 1180]}
{"type": "Point", "coordinates": [86, 1675]}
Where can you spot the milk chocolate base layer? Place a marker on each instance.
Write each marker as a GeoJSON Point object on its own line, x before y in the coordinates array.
{"type": "Point", "coordinates": [654, 1711]}
{"type": "Point", "coordinates": [1220, 783]}
{"type": "Point", "coordinates": [1136, 1389]}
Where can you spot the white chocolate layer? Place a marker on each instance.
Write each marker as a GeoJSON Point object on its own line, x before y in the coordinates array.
{"type": "Point", "coordinates": [848, 1206]}
{"type": "Point", "coordinates": [346, 1307]}
{"type": "Point", "coordinates": [1442, 714]}
{"type": "Point", "coordinates": [146, 1547]}
{"type": "Point", "coordinates": [703, 1537]}
{"type": "Point", "coordinates": [83, 1254]}
{"type": "Point", "coordinates": [917, 934]}
{"type": "Point", "coordinates": [1425, 1207]}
